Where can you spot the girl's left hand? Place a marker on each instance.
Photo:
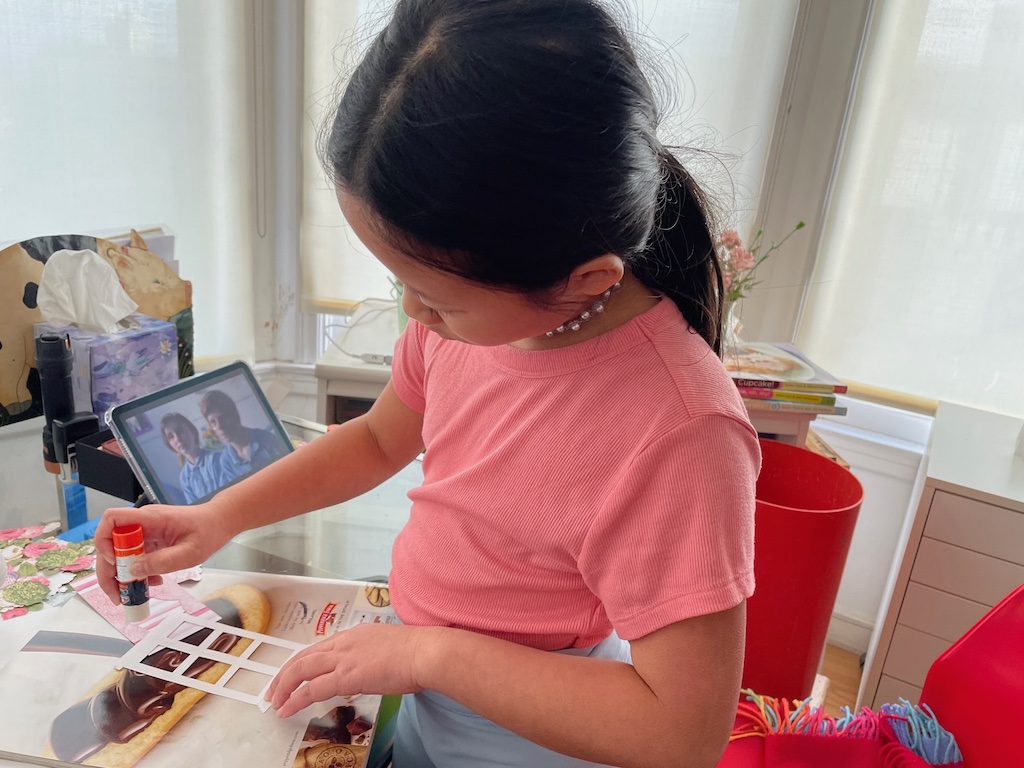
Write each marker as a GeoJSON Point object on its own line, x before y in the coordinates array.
{"type": "Point", "coordinates": [368, 658]}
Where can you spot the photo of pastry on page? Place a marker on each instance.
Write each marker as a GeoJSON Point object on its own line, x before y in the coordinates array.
{"type": "Point", "coordinates": [63, 699]}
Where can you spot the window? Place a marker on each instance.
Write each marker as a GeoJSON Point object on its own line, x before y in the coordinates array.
{"type": "Point", "coordinates": [120, 114]}
{"type": "Point", "coordinates": [918, 281]}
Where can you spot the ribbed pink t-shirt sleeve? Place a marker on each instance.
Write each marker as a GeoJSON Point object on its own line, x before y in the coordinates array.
{"type": "Point", "coordinates": [675, 538]}
{"type": "Point", "coordinates": [407, 366]}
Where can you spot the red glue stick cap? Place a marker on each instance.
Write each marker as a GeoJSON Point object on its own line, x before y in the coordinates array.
{"type": "Point", "coordinates": [127, 536]}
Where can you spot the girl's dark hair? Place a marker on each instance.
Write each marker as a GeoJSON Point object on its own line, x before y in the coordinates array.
{"type": "Point", "coordinates": [516, 140]}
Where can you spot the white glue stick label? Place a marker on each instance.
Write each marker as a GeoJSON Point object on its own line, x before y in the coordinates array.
{"type": "Point", "coordinates": [123, 566]}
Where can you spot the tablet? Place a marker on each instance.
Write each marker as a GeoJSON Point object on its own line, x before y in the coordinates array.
{"type": "Point", "coordinates": [187, 441]}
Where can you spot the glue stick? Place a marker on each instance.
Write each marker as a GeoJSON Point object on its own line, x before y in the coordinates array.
{"type": "Point", "coordinates": [128, 545]}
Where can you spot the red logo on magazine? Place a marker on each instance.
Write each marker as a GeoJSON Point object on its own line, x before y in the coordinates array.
{"type": "Point", "coordinates": [327, 616]}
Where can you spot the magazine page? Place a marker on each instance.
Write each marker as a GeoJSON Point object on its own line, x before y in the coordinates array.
{"type": "Point", "coordinates": [63, 702]}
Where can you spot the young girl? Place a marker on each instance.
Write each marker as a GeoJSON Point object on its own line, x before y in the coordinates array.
{"type": "Point", "coordinates": [573, 575]}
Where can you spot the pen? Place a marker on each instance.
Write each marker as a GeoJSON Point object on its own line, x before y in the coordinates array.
{"type": "Point", "coordinates": [142, 501]}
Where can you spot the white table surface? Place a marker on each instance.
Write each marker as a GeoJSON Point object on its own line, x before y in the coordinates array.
{"type": "Point", "coordinates": [351, 540]}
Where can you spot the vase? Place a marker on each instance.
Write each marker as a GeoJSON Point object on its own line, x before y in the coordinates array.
{"type": "Point", "coordinates": [731, 327]}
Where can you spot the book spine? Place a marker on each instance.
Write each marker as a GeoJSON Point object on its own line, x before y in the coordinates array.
{"type": "Point", "coordinates": [779, 406]}
{"type": "Point", "coordinates": [756, 394]}
{"type": "Point", "coordinates": [791, 386]}
{"type": "Point", "coordinates": [787, 396]}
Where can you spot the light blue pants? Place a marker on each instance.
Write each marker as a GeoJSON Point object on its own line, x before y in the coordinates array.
{"type": "Point", "coordinates": [436, 732]}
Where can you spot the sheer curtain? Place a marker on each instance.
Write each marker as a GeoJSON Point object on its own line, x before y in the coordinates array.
{"type": "Point", "coordinates": [118, 114]}
{"type": "Point", "coordinates": [337, 271]}
{"type": "Point", "coordinates": [722, 63]}
{"type": "Point", "coordinates": [920, 273]}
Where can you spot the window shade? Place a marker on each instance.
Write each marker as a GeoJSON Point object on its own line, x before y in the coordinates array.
{"type": "Point", "coordinates": [919, 277]}
{"type": "Point", "coordinates": [337, 270]}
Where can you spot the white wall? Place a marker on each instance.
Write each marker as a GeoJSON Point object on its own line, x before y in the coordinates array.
{"type": "Point", "coordinates": [28, 493]}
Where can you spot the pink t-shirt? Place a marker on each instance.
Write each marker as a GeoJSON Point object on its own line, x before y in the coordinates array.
{"type": "Point", "coordinates": [607, 484]}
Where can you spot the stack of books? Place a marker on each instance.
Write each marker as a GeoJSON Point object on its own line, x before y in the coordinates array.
{"type": "Point", "coordinates": [782, 390]}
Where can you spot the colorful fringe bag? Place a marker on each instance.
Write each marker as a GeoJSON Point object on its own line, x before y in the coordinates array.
{"type": "Point", "coordinates": [914, 738]}
{"type": "Point", "coordinates": [776, 733]}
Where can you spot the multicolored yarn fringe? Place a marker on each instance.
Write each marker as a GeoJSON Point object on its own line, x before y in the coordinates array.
{"type": "Point", "coordinates": [761, 715]}
{"type": "Point", "coordinates": [910, 732]}
{"type": "Point", "coordinates": [916, 728]}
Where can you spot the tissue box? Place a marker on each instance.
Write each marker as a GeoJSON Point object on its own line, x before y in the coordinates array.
{"type": "Point", "coordinates": [112, 368]}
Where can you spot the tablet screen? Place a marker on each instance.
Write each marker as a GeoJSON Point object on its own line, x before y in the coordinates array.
{"type": "Point", "coordinates": [189, 440]}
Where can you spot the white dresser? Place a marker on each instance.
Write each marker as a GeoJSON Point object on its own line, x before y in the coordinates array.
{"type": "Point", "coordinates": [962, 551]}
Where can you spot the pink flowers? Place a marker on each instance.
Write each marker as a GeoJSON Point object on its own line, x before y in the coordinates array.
{"type": "Point", "coordinates": [11, 534]}
{"type": "Point", "coordinates": [730, 239]}
{"type": "Point", "coordinates": [83, 563]}
{"type": "Point", "coordinates": [34, 550]}
{"type": "Point", "coordinates": [38, 568]}
{"type": "Point", "coordinates": [740, 259]}
{"type": "Point", "coordinates": [738, 264]}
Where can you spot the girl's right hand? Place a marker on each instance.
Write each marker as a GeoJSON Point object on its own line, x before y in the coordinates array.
{"type": "Point", "coordinates": [176, 538]}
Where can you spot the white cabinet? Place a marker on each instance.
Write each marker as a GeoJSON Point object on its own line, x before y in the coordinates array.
{"type": "Point", "coordinates": [346, 387]}
{"type": "Point", "coordinates": [356, 366]}
{"type": "Point", "coordinates": [963, 550]}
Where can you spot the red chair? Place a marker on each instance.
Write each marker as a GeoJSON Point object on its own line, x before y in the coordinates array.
{"type": "Point", "coordinates": [976, 687]}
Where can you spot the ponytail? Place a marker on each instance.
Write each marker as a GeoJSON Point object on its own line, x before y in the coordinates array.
{"type": "Point", "coordinates": [679, 260]}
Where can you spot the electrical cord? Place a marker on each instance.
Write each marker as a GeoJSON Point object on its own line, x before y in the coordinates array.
{"type": "Point", "coordinates": [366, 357]}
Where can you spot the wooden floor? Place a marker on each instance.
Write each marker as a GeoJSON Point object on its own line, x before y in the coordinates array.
{"type": "Point", "coordinates": [842, 668]}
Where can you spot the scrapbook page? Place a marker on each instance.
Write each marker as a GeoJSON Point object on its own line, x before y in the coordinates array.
{"type": "Point", "coordinates": [40, 569]}
{"type": "Point", "coordinates": [64, 701]}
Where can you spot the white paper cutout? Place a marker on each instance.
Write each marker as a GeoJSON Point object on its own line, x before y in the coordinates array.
{"type": "Point", "coordinates": [170, 632]}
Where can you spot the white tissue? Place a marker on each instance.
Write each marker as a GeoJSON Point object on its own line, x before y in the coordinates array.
{"type": "Point", "coordinates": [80, 288]}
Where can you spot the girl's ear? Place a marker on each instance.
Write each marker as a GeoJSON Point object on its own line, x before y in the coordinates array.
{"type": "Point", "coordinates": [594, 277]}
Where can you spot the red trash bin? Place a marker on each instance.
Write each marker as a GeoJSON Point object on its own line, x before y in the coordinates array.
{"type": "Point", "coordinates": [806, 509]}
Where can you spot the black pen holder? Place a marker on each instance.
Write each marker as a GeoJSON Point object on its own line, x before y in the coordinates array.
{"type": "Point", "coordinates": [102, 467]}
